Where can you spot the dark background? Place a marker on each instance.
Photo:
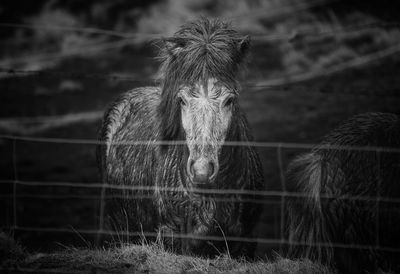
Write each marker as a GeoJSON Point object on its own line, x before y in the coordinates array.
{"type": "Point", "coordinates": [57, 77]}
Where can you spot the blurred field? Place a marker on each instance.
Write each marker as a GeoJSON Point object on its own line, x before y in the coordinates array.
{"type": "Point", "coordinates": [83, 82]}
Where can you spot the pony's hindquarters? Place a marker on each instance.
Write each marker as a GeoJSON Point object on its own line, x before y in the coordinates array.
{"type": "Point", "coordinates": [307, 224]}
{"type": "Point", "coordinates": [344, 210]}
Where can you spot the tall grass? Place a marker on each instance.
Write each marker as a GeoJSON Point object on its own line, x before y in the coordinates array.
{"type": "Point", "coordinates": [140, 258]}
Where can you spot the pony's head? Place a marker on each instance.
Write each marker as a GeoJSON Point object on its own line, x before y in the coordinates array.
{"type": "Point", "coordinates": [199, 92]}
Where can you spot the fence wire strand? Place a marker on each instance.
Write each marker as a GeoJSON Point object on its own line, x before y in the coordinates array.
{"type": "Point", "coordinates": [213, 191]}
{"type": "Point", "coordinates": [287, 145]}
{"type": "Point", "coordinates": [125, 197]}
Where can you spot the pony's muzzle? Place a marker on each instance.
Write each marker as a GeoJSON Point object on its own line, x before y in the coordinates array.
{"type": "Point", "coordinates": [202, 171]}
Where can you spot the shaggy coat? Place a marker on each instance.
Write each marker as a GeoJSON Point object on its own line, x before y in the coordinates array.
{"type": "Point", "coordinates": [348, 196]}
{"type": "Point", "coordinates": [199, 50]}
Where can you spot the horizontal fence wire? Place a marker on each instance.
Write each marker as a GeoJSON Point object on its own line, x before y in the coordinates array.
{"type": "Point", "coordinates": [126, 197]}
{"type": "Point", "coordinates": [271, 241]}
{"type": "Point", "coordinates": [183, 142]}
{"type": "Point", "coordinates": [209, 191]}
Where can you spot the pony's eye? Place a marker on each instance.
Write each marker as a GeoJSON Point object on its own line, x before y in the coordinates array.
{"type": "Point", "coordinates": [182, 101]}
{"type": "Point", "coordinates": [228, 102]}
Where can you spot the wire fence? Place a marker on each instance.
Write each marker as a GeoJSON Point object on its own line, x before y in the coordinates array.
{"type": "Point", "coordinates": [218, 195]}
{"type": "Point", "coordinates": [150, 189]}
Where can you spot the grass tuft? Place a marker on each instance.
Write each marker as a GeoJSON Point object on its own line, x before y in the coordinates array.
{"type": "Point", "coordinates": [141, 258]}
{"type": "Point", "coordinates": [10, 251]}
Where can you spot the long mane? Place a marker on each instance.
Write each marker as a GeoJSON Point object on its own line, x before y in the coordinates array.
{"type": "Point", "coordinates": [199, 50]}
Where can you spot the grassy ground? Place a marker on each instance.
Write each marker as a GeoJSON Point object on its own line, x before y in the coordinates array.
{"type": "Point", "coordinates": [141, 258]}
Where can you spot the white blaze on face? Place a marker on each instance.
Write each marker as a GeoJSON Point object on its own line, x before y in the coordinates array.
{"type": "Point", "coordinates": [206, 111]}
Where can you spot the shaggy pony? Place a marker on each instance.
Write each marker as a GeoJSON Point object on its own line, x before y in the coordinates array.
{"type": "Point", "coordinates": [200, 50]}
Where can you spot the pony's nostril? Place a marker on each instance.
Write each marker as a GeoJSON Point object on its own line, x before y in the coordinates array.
{"type": "Point", "coordinates": [189, 168]}
{"type": "Point", "coordinates": [211, 169]}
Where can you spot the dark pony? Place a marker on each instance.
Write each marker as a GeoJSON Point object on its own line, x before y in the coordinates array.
{"type": "Point", "coordinates": [176, 203]}
{"type": "Point", "coordinates": [349, 217]}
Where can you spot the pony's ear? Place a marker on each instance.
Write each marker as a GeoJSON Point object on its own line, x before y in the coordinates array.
{"type": "Point", "coordinates": [244, 46]}
{"type": "Point", "coordinates": [172, 45]}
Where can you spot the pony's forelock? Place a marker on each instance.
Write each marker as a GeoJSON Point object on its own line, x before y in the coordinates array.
{"type": "Point", "coordinates": [199, 50]}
